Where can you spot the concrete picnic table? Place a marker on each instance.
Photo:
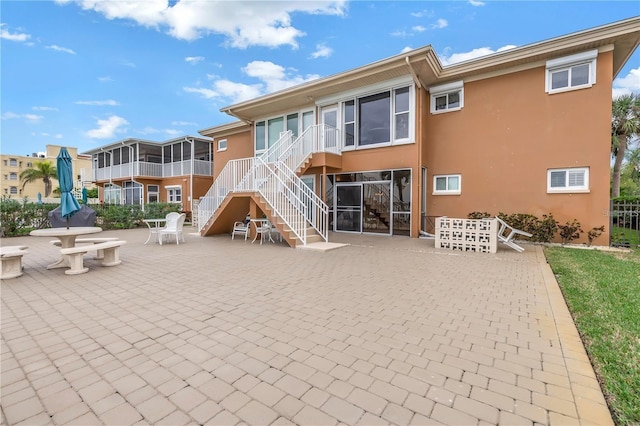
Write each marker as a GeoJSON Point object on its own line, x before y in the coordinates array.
{"type": "Point", "coordinates": [67, 237]}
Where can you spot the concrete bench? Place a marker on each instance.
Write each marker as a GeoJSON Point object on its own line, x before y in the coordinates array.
{"type": "Point", "coordinates": [99, 254]}
{"type": "Point", "coordinates": [11, 261]}
{"type": "Point", "coordinates": [111, 250]}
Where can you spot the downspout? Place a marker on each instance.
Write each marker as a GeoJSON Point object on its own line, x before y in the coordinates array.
{"type": "Point", "coordinates": [417, 207]}
{"type": "Point", "coordinates": [191, 175]}
{"type": "Point", "coordinates": [132, 177]}
{"type": "Point", "coordinates": [416, 79]}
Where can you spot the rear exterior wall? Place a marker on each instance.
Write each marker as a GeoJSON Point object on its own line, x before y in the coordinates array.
{"type": "Point", "coordinates": [509, 133]}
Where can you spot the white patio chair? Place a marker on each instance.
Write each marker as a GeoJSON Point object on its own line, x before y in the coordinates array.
{"type": "Point", "coordinates": [263, 229]}
{"type": "Point", "coordinates": [175, 222]}
{"type": "Point", "coordinates": [506, 234]}
{"type": "Point", "coordinates": [240, 228]}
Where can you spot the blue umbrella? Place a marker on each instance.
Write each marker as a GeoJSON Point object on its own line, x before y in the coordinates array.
{"type": "Point", "coordinates": [39, 198]}
{"type": "Point", "coordinates": [68, 203]}
{"type": "Point", "coordinates": [84, 196]}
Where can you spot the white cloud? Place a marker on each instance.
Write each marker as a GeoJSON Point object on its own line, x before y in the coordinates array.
{"type": "Point", "coordinates": [58, 136]}
{"type": "Point", "coordinates": [473, 54]}
{"type": "Point", "coordinates": [44, 108]}
{"type": "Point", "coordinates": [193, 60]}
{"type": "Point", "coordinates": [108, 102]}
{"type": "Point", "coordinates": [28, 118]}
{"type": "Point", "coordinates": [476, 3]}
{"type": "Point", "coordinates": [243, 23]}
{"type": "Point", "coordinates": [108, 128]}
{"type": "Point", "coordinates": [61, 49]}
{"type": "Point", "coordinates": [322, 51]}
{"type": "Point", "coordinates": [440, 23]}
{"type": "Point", "coordinates": [418, 28]}
{"type": "Point", "coordinates": [627, 84]}
{"type": "Point", "coordinates": [422, 14]}
{"type": "Point", "coordinates": [172, 132]}
{"type": "Point", "coordinates": [106, 79]}
{"type": "Point", "coordinates": [6, 35]}
{"type": "Point", "coordinates": [406, 49]}
{"type": "Point", "coordinates": [207, 93]}
{"type": "Point", "coordinates": [271, 77]}
{"type": "Point", "coordinates": [182, 123]}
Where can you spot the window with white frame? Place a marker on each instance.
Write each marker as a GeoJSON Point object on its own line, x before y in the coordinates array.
{"type": "Point", "coordinates": [222, 145]}
{"type": "Point", "coordinates": [568, 180]}
{"type": "Point", "coordinates": [13, 190]}
{"type": "Point", "coordinates": [267, 132]}
{"type": "Point", "coordinates": [382, 118]}
{"type": "Point", "coordinates": [13, 176]}
{"type": "Point", "coordinates": [153, 193]}
{"type": "Point", "coordinates": [571, 72]}
{"type": "Point", "coordinates": [447, 184]}
{"type": "Point", "coordinates": [447, 97]}
{"type": "Point", "coordinates": [174, 194]}
{"type": "Point", "coordinates": [13, 162]}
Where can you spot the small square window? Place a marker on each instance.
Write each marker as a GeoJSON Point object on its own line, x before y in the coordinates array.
{"type": "Point", "coordinates": [222, 145]}
{"type": "Point", "coordinates": [447, 184]}
{"type": "Point", "coordinates": [568, 180]}
{"type": "Point", "coordinates": [447, 97]}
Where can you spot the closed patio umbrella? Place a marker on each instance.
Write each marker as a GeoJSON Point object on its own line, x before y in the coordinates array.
{"type": "Point", "coordinates": [68, 203]}
{"type": "Point", "coordinates": [84, 196]}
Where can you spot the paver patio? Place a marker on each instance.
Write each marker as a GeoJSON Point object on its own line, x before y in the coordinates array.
{"type": "Point", "coordinates": [384, 331]}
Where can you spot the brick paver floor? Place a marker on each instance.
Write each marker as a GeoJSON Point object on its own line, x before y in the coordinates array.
{"type": "Point", "coordinates": [215, 331]}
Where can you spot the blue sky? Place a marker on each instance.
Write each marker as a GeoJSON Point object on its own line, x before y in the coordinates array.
{"type": "Point", "coordinates": [85, 73]}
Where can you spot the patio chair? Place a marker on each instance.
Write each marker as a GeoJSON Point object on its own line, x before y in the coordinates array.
{"type": "Point", "coordinates": [263, 229]}
{"type": "Point", "coordinates": [506, 234]}
{"type": "Point", "coordinates": [240, 228]}
{"type": "Point", "coordinates": [175, 222]}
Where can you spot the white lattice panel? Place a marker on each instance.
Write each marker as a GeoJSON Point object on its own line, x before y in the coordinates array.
{"type": "Point", "coordinates": [479, 235]}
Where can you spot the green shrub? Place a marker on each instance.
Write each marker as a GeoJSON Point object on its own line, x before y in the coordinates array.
{"type": "Point", "coordinates": [594, 233]}
{"type": "Point", "coordinates": [112, 216]}
{"type": "Point", "coordinates": [159, 210]}
{"type": "Point", "coordinates": [570, 231]}
{"type": "Point", "coordinates": [478, 215]}
{"type": "Point", "coordinates": [20, 218]}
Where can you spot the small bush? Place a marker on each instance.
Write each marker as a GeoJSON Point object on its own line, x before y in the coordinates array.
{"type": "Point", "coordinates": [594, 233]}
{"type": "Point", "coordinates": [570, 231]}
{"type": "Point", "coordinates": [478, 215]}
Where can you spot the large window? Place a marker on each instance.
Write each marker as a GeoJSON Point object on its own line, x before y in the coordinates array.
{"type": "Point", "coordinates": [13, 162]}
{"type": "Point", "coordinates": [447, 184]}
{"type": "Point", "coordinates": [383, 118]}
{"type": "Point", "coordinates": [571, 72]}
{"type": "Point", "coordinates": [447, 97]}
{"type": "Point", "coordinates": [112, 194]}
{"type": "Point", "coordinates": [13, 176]}
{"type": "Point", "coordinates": [152, 193]}
{"type": "Point", "coordinates": [268, 131]}
{"type": "Point", "coordinates": [568, 180]}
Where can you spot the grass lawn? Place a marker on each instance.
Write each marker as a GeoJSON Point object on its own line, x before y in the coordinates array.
{"type": "Point", "coordinates": [625, 234]}
{"type": "Point", "coordinates": [602, 290]}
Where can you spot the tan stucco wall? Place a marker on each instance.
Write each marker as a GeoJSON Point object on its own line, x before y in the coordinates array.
{"type": "Point", "coordinates": [506, 137]}
{"type": "Point", "coordinates": [239, 145]}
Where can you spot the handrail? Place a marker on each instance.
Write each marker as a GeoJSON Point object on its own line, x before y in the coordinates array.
{"type": "Point", "coordinates": [272, 175]}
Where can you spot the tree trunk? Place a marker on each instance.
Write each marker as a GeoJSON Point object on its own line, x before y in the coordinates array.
{"type": "Point", "coordinates": [617, 167]}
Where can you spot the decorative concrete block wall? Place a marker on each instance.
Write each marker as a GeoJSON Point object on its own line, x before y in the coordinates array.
{"type": "Point", "coordinates": [479, 235]}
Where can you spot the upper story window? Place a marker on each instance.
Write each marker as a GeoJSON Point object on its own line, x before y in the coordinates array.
{"type": "Point", "coordinates": [13, 162]}
{"type": "Point", "coordinates": [571, 72]}
{"type": "Point", "coordinates": [29, 164]}
{"type": "Point", "coordinates": [568, 180]}
{"type": "Point", "coordinates": [447, 97]}
{"type": "Point", "coordinates": [13, 190]}
{"type": "Point", "coordinates": [222, 145]}
{"type": "Point", "coordinates": [268, 132]}
{"type": "Point", "coordinates": [379, 119]}
{"type": "Point", "coordinates": [13, 176]}
{"type": "Point", "coordinates": [447, 184]}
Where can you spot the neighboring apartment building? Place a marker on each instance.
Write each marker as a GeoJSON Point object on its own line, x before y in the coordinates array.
{"type": "Point", "coordinates": [12, 165]}
{"type": "Point", "coordinates": [136, 171]}
{"type": "Point", "coordinates": [388, 145]}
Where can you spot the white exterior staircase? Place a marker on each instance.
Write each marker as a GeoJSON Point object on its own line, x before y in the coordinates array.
{"type": "Point", "coordinates": [292, 206]}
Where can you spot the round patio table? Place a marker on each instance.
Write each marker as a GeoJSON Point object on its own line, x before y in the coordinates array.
{"type": "Point", "coordinates": [67, 237]}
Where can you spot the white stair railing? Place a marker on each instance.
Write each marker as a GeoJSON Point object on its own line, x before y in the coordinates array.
{"type": "Point", "coordinates": [227, 181]}
{"type": "Point", "coordinates": [272, 174]}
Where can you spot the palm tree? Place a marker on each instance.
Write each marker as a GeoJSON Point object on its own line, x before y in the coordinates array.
{"type": "Point", "coordinates": [43, 170]}
{"type": "Point", "coordinates": [625, 125]}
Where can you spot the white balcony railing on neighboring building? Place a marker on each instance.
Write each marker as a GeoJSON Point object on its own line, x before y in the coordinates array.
{"type": "Point", "coordinates": [142, 168]}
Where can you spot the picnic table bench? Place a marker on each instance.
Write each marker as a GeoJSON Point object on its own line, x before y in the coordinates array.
{"type": "Point", "coordinates": [110, 249]}
{"type": "Point", "coordinates": [99, 254]}
{"type": "Point", "coordinates": [11, 261]}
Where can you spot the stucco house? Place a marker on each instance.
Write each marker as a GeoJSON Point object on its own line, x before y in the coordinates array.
{"type": "Point", "coordinates": [384, 147]}
{"type": "Point", "coordinates": [138, 172]}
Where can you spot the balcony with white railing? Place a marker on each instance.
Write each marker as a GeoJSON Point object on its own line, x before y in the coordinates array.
{"type": "Point", "coordinates": [146, 169]}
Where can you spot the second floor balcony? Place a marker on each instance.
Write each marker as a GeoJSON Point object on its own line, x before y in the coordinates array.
{"type": "Point", "coordinates": [153, 170]}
